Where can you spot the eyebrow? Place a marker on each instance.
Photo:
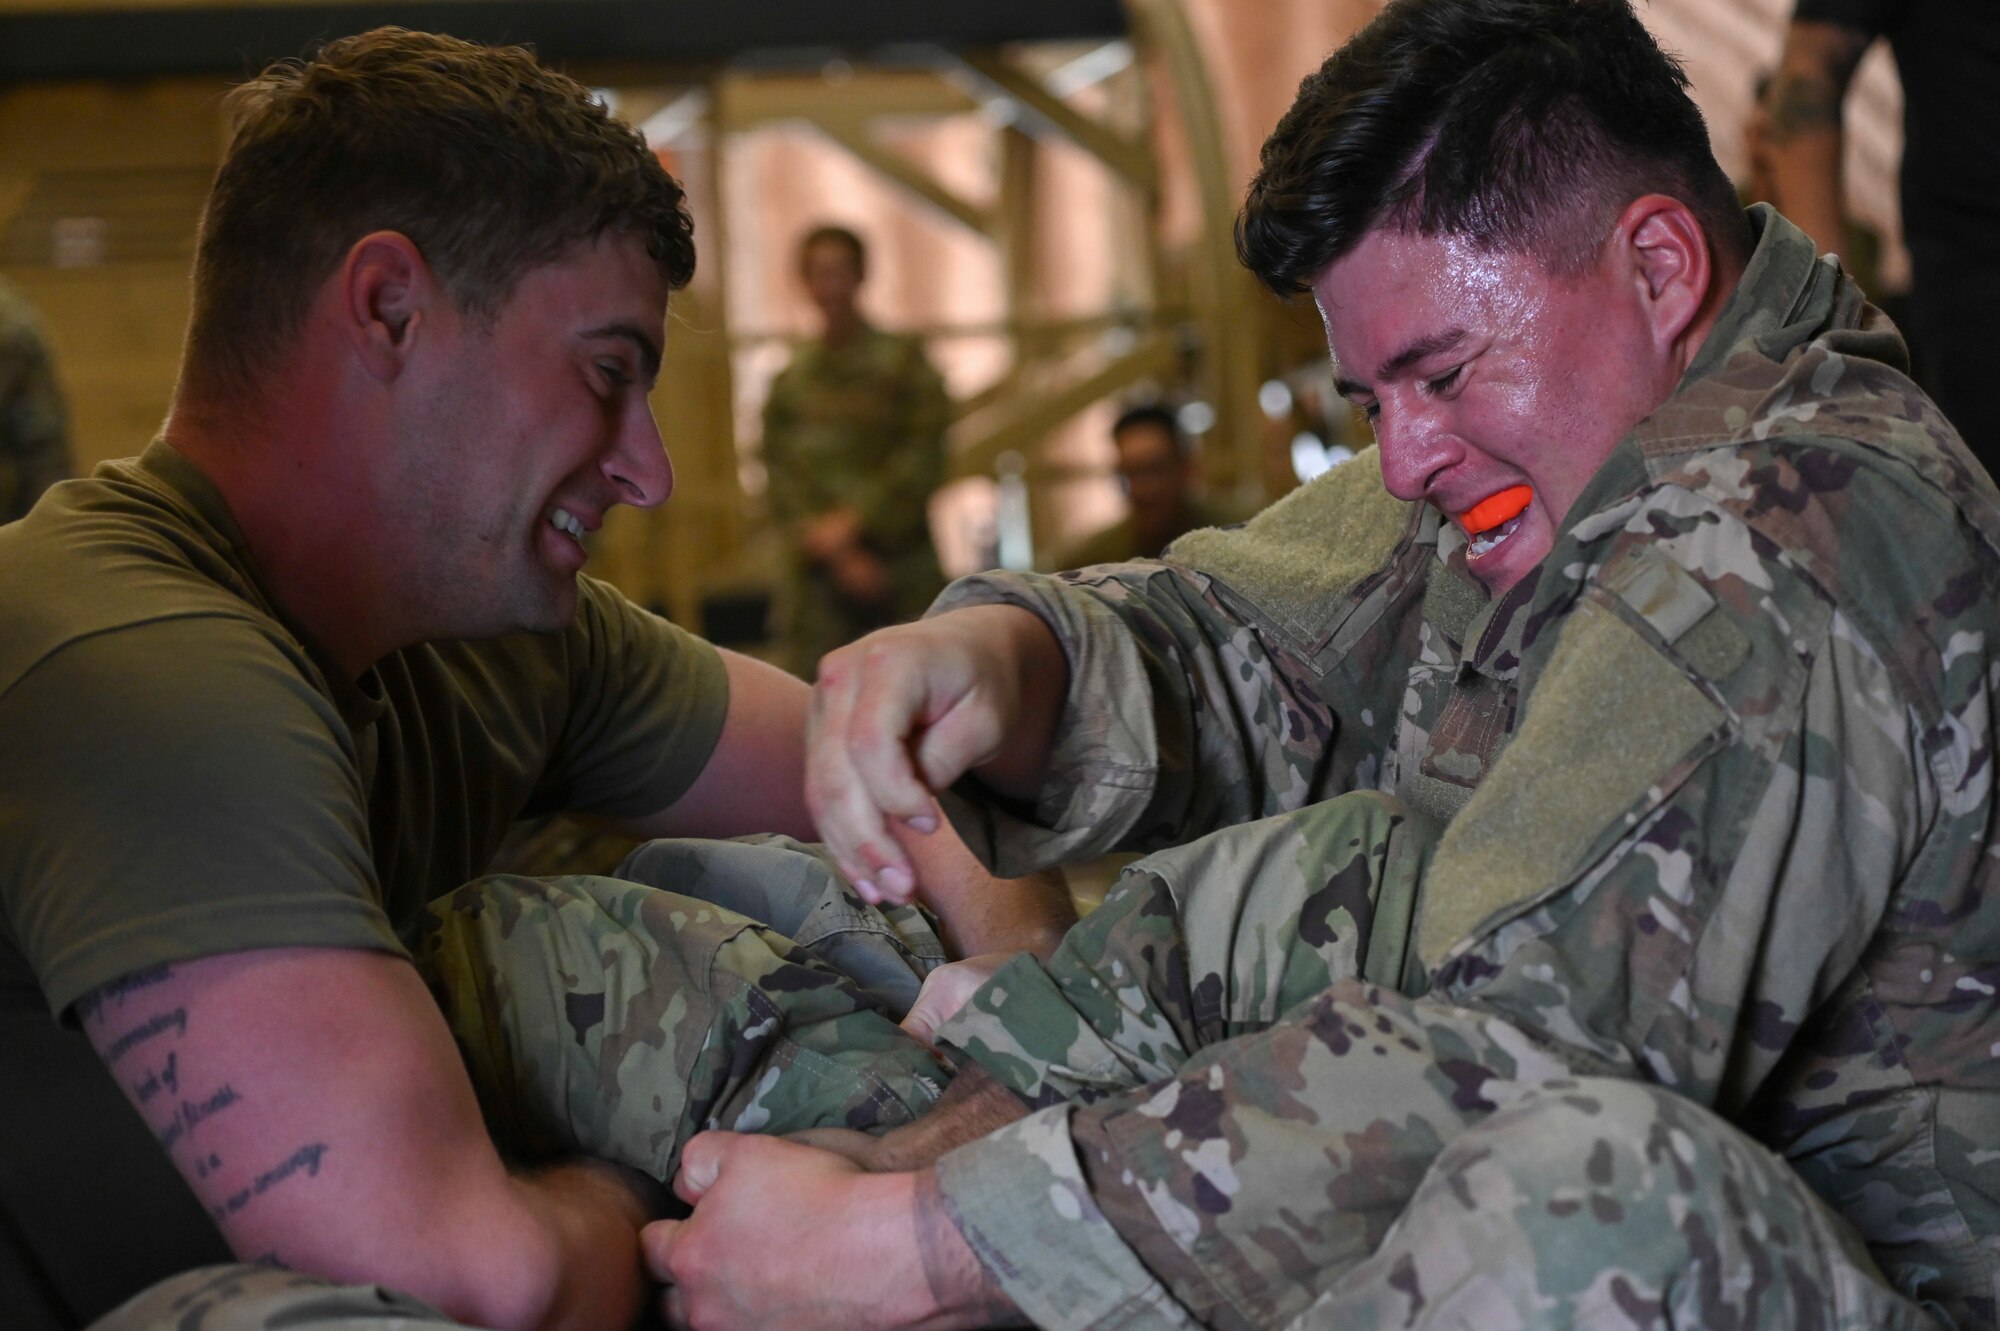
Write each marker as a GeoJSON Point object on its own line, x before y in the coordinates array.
{"type": "Point", "coordinates": [648, 349]}
{"type": "Point", "coordinates": [1421, 349]}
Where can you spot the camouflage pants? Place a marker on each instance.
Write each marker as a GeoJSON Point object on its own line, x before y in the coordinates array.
{"type": "Point", "coordinates": [1577, 1203]}
{"type": "Point", "coordinates": [793, 889]}
{"type": "Point", "coordinates": [1230, 1049]}
{"type": "Point", "coordinates": [608, 1017]}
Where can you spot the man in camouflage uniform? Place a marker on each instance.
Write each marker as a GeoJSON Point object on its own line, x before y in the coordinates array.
{"type": "Point", "coordinates": [853, 447]}
{"type": "Point", "coordinates": [34, 424]}
{"type": "Point", "coordinates": [1589, 918]}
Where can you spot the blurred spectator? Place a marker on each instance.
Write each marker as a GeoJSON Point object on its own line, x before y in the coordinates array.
{"type": "Point", "coordinates": [854, 445]}
{"type": "Point", "coordinates": [1948, 53]}
{"type": "Point", "coordinates": [34, 425]}
{"type": "Point", "coordinates": [1157, 472]}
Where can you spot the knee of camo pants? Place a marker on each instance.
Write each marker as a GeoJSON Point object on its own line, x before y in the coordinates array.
{"type": "Point", "coordinates": [794, 888]}
{"type": "Point", "coordinates": [1206, 941]}
{"type": "Point", "coordinates": [259, 1298]}
{"type": "Point", "coordinates": [1613, 1206]}
{"type": "Point", "coordinates": [606, 1018]}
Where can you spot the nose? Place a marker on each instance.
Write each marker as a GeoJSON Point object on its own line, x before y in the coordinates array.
{"type": "Point", "coordinates": [1414, 445]}
{"type": "Point", "coordinates": [638, 463]}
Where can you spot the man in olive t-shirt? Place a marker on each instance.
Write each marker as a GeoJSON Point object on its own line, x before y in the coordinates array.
{"type": "Point", "coordinates": [269, 688]}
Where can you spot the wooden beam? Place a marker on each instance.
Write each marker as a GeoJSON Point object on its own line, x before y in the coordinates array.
{"type": "Point", "coordinates": [902, 171]}
{"type": "Point", "coordinates": [1127, 158]}
{"type": "Point", "coordinates": [1023, 430]}
{"type": "Point", "coordinates": [1235, 332]}
{"type": "Point", "coordinates": [747, 100]}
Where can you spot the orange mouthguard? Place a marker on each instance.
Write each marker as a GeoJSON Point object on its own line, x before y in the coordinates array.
{"type": "Point", "coordinates": [1495, 509]}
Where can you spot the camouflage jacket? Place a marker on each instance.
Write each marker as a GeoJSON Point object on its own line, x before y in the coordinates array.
{"type": "Point", "coordinates": [861, 425]}
{"type": "Point", "coordinates": [34, 425]}
{"type": "Point", "coordinates": [1716, 784]}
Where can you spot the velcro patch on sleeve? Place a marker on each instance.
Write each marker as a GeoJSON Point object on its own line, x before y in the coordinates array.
{"type": "Point", "coordinates": [1680, 610]}
{"type": "Point", "coordinates": [1611, 729]}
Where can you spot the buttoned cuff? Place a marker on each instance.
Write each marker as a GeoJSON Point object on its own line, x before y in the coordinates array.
{"type": "Point", "coordinates": [1021, 1201]}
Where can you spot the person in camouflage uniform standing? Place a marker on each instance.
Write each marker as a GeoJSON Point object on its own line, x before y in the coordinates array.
{"type": "Point", "coordinates": [1588, 918]}
{"type": "Point", "coordinates": [853, 447]}
{"type": "Point", "coordinates": [34, 423]}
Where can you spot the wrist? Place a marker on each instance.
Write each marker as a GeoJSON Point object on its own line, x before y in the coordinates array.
{"type": "Point", "coordinates": [1036, 672]}
{"type": "Point", "coordinates": [929, 1277]}
{"type": "Point", "coordinates": [957, 1289]}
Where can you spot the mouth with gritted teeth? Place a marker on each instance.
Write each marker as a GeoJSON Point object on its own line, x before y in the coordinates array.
{"type": "Point", "coordinates": [1488, 523]}
{"type": "Point", "coordinates": [565, 521]}
{"type": "Point", "coordinates": [1488, 541]}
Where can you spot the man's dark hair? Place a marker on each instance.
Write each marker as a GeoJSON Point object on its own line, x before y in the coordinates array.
{"type": "Point", "coordinates": [488, 162]}
{"type": "Point", "coordinates": [830, 234]}
{"type": "Point", "coordinates": [1160, 416]}
{"type": "Point", "coordinates": [1523, 125]}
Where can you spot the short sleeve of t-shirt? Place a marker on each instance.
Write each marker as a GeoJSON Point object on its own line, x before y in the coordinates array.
{"type": "Point", "coordinates": [177, 789]}
{"type": "Point", "coordinates": [647, 703]}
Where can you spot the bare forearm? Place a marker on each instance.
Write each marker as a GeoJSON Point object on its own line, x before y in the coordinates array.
{"type": "Point", "coordinates": [1804, 105]}
{"type": "Point", "coordinates": [314, 1102]}
{"type": "Point", "coordinates": [978, 913]}
{"type": "Point", "coordinates": [1806, 174]}
{"type": "Point", "coordinates": [972, 1106]}
{"type": "Point", "coordinates": [1028, 914]}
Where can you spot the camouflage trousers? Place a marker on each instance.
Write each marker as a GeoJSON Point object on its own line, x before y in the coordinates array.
{"type": "Point", "coordinates": [1234, 1054]}
{"type": "Point", "coordinates": [1579, 1202]}
{"type": "Point", "coordinates": [618, 1016]}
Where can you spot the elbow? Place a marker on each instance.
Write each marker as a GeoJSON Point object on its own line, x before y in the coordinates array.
{"type": "Point", "coordinates": [508, 1276]}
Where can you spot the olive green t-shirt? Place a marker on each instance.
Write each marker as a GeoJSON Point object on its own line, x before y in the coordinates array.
{"type": "Point", "coordinates": [182, 773]}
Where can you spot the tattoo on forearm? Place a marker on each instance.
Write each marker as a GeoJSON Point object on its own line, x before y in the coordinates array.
{"type": "Point", "coordinates": [152, 1028]}
{"type": "Point", "coordinates": [303, 1161]}
{"type": "Point", "coordinates": [1802, 105]}
{"type": "Point", "coordinates": [1806, 101]}
{"type": "Point", "coordinates": [166, 1077]}
{"type": "Point", "coordinates": [91, 1006]}
{"type": "Point", "coordinates": [958, 1279]}
{"type": "Point", "coordinates": [185, 1115]}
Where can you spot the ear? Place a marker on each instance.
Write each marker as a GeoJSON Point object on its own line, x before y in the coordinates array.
{"type": "Point", "coordinates": [386, 292]}
{"type": "Point", "coordinates": [1669, 263]}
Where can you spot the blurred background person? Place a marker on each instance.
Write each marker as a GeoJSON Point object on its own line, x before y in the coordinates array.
{"type": "Point", "coordinates": [34, 424]}
{"type": "Point", "coordinates": [1157, 472]}
{"type": "Point", "coordinates": [1948, 55]}
{"type": "Point", "coordinates": [854, 446]}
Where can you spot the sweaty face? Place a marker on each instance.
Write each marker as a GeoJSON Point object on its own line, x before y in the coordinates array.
{"type": "Point", "coordinates": [1481, 372]}
{"type": "Point", "coordinates": [526, 431]}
